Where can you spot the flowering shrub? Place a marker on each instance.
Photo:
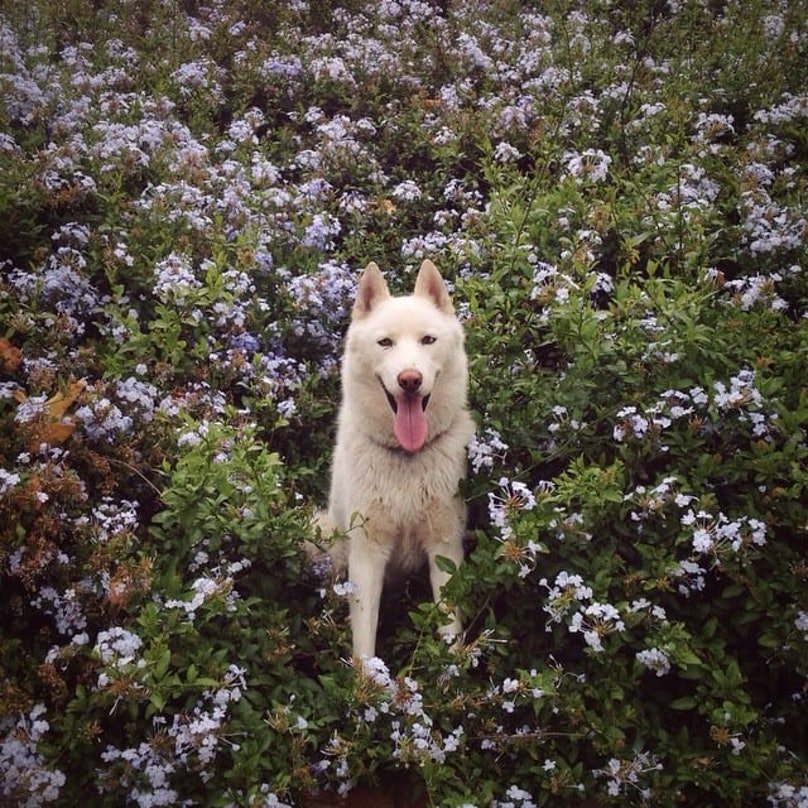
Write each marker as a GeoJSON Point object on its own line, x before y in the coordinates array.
{"type": "Point", "coordinates": [616, 193]}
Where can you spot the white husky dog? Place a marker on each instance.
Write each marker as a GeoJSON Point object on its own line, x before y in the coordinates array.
{"type": "Point", "coordinates": [401, 437]}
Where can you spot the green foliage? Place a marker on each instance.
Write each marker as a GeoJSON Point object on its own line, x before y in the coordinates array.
{"type": "Point", "coordinates": [616, 193]}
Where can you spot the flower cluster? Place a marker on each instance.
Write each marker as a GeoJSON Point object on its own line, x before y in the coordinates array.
{"type": "Point", "coordinates": [203, 589]}
{"type": "Point", "coordinates": [27, 779]}
{"type": "Point", "coordinates": [513, 496]}
{"type": "Point", "coordinates": [590, 166]}
{"type": "Point", "coordinates": [486, 449]}
{"type": "Point", "coordinates": [716, 534]}
{"type": "Point", "coordinates": [322, 301]}
{"type": "Point", "coordinates": [117, 648]}
{"type": "Point", "coordinates": [655, 660]}
{"type": "Point", "coordinates": [624, 776]}
{"type": "Point", "coordinates": [741, 402]}
{"type": "Point", "coordinates": [570, 600]}
{"type": "Point", "coordinates": [194, 739]}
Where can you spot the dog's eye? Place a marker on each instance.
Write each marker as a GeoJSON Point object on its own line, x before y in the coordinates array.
{"type": "Point", "coordinates": [385, 342]}
{"type": "Point", "coordinates": [428, 339]}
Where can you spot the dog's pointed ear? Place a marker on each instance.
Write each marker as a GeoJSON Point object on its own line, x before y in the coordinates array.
{"type": "Point", "coordinates": [430, 284]}
{"type": "Point", "coordinates": [372, 289]}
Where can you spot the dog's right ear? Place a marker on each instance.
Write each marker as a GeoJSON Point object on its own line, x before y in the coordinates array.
{"type": "Point", "coordinates": [372, 289]}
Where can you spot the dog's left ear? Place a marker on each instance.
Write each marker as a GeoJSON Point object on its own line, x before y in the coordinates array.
{"type": "Point", "coordinates": [430, 284]}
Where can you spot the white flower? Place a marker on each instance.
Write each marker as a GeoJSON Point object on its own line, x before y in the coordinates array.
{"type": "Point", "coordinates": [406, 191]}
{"type": "Point", "coordinates": [505, 153]}
{"type": "Point", "coordinates": [174, 279]}
{"type": "Point", "coordinates": [655, 660]}
{"type": "Point", "coordinates": [702, 541]}
{"type": "Point", "coordinates": [117, 646]}
{"type": "Point", "coordinates": [801, 622]}
{"type": "Point", "coordinates": [510, 685]}
{"type": "Point", "coordinates": [8, 480]}
{"type": "Point", "coordinates": [591, 165]}
{"type": "Point", "coordinates": [483, 451]}
{"type": "Point", "coordinates": [24, 770]}
{"type": "Point", "coordinates": [344, 588]}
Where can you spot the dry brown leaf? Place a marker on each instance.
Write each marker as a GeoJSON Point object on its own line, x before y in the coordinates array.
{"type": "Point", "coordinates": [57, 428]}
{"type": "Point", "coordinates": [10, 356]}
{"type": "Point", "coordinates": [53, 434]}
{"type": "Point", "coordinates": [58, 404]}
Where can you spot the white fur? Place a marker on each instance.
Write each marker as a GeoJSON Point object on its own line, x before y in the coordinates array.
{"type": "Point", "coordinates": [396, 507]}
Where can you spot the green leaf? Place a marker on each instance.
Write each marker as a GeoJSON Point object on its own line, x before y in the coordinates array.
{"type": "Point", "coordinates": [445, 565]}
{"type": "Point", "coordinates": [688, 658]}
{"type": "Point", "coordinates": [162, 663]}
{"type": "Point", "coordinates": [768, 640]}
{"type": "Point", "coordinates": [157, 700]}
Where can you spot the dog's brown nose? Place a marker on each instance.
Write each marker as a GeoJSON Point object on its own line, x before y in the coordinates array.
{"type": "Point", "coordinates": [409, 380]}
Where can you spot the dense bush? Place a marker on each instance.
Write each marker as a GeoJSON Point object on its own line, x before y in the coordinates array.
{"type": "Point", "coordinates": [617, 192]}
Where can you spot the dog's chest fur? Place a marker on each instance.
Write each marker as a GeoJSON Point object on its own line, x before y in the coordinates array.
{"type": "Point", "coordinates": [406, 502]}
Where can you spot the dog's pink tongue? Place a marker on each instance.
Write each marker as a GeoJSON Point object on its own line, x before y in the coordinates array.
{"type": "Point", "coordinates": [409, 423]}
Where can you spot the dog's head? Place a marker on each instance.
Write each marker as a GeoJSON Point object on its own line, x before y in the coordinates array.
{"type": "Point", "coordinates": [405, 366]}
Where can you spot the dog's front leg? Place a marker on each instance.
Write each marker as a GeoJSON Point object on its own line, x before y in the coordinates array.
{"type": "Point", "coordinates": [453, 550]}
{"type": "Point", "coordinates": [366, 563]}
